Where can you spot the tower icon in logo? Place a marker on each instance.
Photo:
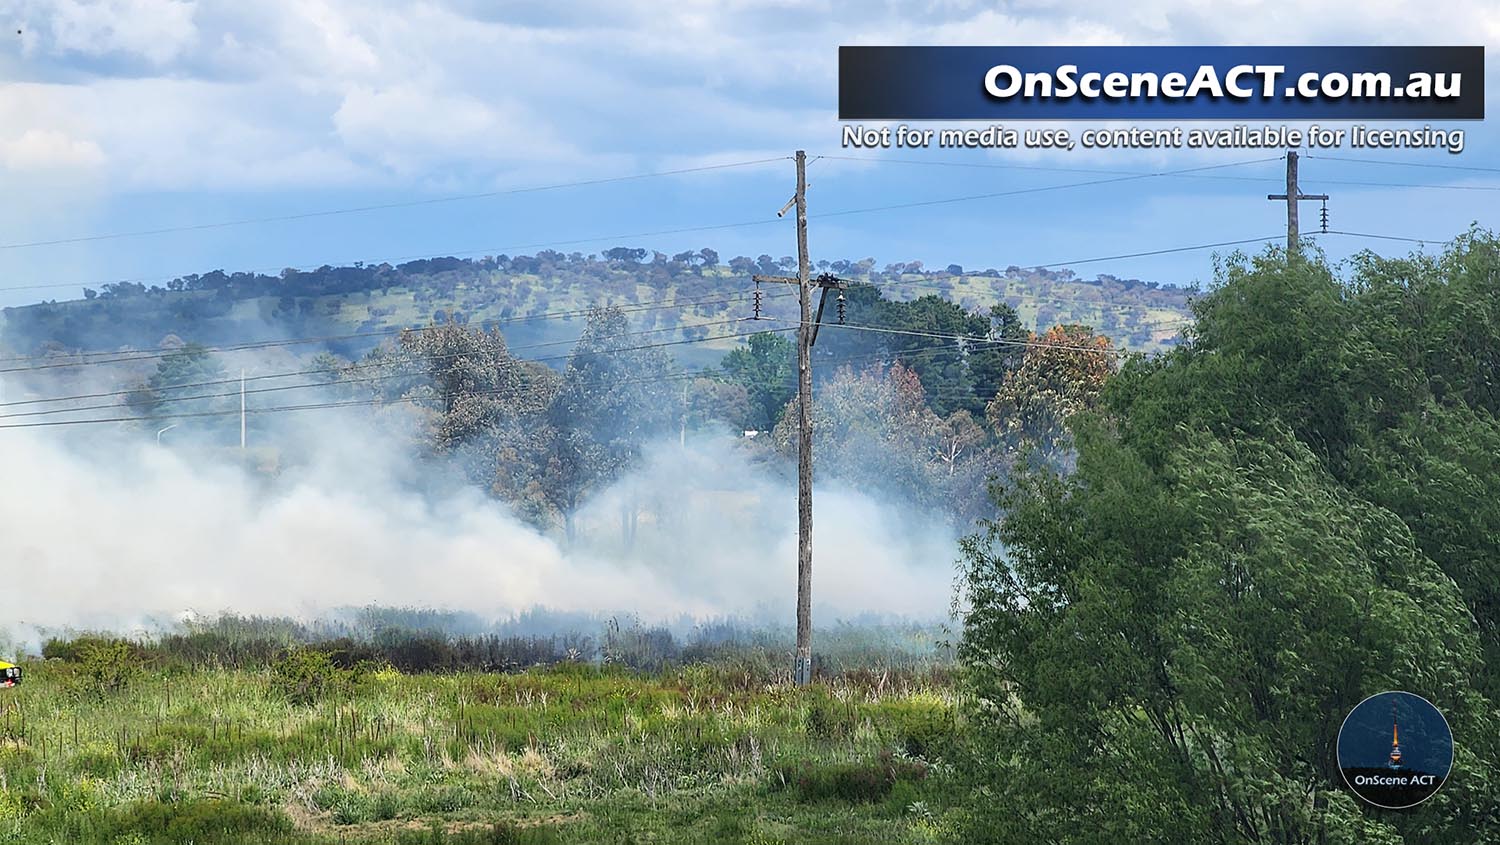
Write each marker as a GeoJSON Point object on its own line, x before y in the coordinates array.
{"type": "Point", "coordinates": [1376, 766]}
{"type": "Point", "coordinates": [1395, 739]}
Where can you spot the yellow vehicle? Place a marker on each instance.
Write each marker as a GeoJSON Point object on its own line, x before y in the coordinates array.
{"type": "Point", "coordinates": [10, 674]}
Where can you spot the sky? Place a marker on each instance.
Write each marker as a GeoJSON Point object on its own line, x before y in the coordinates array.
{"type": "Point", "coordinates": [126, 116]}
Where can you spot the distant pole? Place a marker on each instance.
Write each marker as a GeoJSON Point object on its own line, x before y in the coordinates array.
{"type": "Point", "coordinates": [802, 664]}
{"type": "Point", "coordinates": [164, 431]}
{"type": "Point", "coordinates": [242, 409]}
{"type": "Point", "coordinates": [1292, 193]}
{"type": "Point", "coordinates": [1292, 196]}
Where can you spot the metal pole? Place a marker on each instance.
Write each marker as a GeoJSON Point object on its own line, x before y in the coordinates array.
{"type": "Point", "coordinates": [242, 409]}
{"type": "Point", "coordinates": [164, 431]}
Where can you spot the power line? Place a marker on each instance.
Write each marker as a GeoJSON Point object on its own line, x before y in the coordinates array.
{"type": "Point", "coordinates": [1168, 251]}
{"type": "Point", "coordinates": [374, 365]}
{"type": "Point", "coordinates": [1009, 166]}
{"type": "Point", "coordinates": [1387, 237]}
{"type": "Point", "coordinates": [491, 392]}
{"type": "Point", "coordinates": [438, 253]}
{"type": "Point", "coordinates": [1035, 190]}
{"type": "Point", "coordinates": [1070, 263]}
{"type": "Point", "coordinates": [690, 229]}
{"type": "Point", "coordinates": [377, 365]}
{"type": "Point", "coordinates": [1322, 181]}
{"type": "Point", "coordinates": [131, 356]}
{"type": "Point", "coordinates": [341, 381]}
{"type": "Point", "coordinates": [1407, 163]}
{"type": "Point", "coordinates": [1118, 177]}
{"type": "Point", "coordinates": [565, 314]}
{"type": "Point", "coordinates": [965, 341]}
{"type": "Point", "coordinates": [961, 343]}
{"type": "Point", "coordinates": [378, 401]}
{"type": "Point", "coordinates": [1030, 344]}
{"type": "Point", "coordinates": [927, 282]}
{"type": "Point", "coordinates": [383, 206]}
{"type": "Point", "coordinates": [1045, 299]}
{"type": "Point", "coordinates": [1182, 174]}
{"type": "Point", "coordinates": [162, 352]}
{"type": "Point", "coordinates": [217, 382]}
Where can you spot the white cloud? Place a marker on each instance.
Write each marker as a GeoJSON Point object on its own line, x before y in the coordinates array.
{"type": "Point", "coordinates": [155, 30]}
{"type": "Point", "coordinates": [162, 133]}
{"type": "Point", "coordinates": [409, 128]}
{"type": "Point", "coordinates": [172, 94]}
{"type": "Point", "coordinates": [48, 149]}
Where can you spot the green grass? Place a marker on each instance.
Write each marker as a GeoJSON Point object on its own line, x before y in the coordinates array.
{"type": "Point", "coordinates": [574, 753]}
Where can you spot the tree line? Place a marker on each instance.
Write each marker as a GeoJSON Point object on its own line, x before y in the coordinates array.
{"type": "Point", "coordinates": [929, 417]}
{"type": "Point", "coordinates": [1296, 509]}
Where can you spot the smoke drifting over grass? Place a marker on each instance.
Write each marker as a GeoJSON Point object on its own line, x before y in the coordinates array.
{"type": "Point", "coordinates": [110, 531]}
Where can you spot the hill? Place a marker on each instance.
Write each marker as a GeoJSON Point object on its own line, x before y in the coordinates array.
{"type": "Point", "coordinates": [691, 289]}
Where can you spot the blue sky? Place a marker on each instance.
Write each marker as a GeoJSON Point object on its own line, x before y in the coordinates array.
{"type": "Point", "coordinates": [129, 115]}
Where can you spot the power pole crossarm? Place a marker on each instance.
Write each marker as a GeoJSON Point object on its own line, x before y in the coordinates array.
{"type": "Point", "coordinates": [825, 282]}
{"type": "Point", "coordinates": [1292, 196]}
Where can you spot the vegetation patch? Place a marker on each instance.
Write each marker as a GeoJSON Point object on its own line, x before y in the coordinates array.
{"type": "Point", "coordinates": [866, 782]}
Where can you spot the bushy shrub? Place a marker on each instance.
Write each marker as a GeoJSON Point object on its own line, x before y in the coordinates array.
{"type": "Point", "coordinates": [829, 719]}
{"type": "Point", "coordinates": [104, 665]}
{"type": "Point", "coordinates": [207, 821]}
{"type": "Point", "coordinates": [500, 833]}
{"type": "Point", "coordinates": [445, 799]}
{"type": "Point", "coordinates": [305, 676]}
{"type": "Point", "coordinates": [73, 650]}
{"type": "Point", "coordinates": [921, 727]}
{"type": "Point", "coordinates": [859, 782]}
{"type": "Point", "coordinates": [638, 647]}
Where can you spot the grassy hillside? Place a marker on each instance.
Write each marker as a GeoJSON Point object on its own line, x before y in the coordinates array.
{"type": "Point", "coordinates": [525, 295]}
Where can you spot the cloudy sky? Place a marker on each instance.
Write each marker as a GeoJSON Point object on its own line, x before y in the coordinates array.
{"type": "Point", "coordinates": [125, 116]}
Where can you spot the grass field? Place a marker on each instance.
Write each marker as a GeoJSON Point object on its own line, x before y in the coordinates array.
{"type": "Point", "coordinates": [97, 748]}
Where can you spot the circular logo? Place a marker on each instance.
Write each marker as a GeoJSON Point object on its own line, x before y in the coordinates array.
{"type": "Point", "coordinates": [1395, 750]}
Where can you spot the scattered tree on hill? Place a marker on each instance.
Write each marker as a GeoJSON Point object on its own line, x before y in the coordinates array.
{"type": "Point", "coordinates": [1062, 373]}
{"type": "Point", "coordinates": [766, 369]}
{"type": "Point", "coordinates": [170, 388]}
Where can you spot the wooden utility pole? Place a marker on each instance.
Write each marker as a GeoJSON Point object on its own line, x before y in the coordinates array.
{"type": "Point", "coordinates": [807, 335]}
{"type": "Point", "coordinates": [1292, 196]}
{"type": "Point", "coordinates": [802, 662]}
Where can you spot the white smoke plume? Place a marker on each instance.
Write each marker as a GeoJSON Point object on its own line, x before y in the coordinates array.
{"type": "Point", "coordinates": [110, 531]}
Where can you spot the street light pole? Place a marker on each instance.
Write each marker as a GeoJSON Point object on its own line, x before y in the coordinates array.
{"type": "Point", "coordinates": [164, 431]}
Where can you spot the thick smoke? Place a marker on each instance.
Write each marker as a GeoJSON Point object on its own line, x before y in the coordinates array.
{"type": "Point", "coordinates": [110, 531]}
